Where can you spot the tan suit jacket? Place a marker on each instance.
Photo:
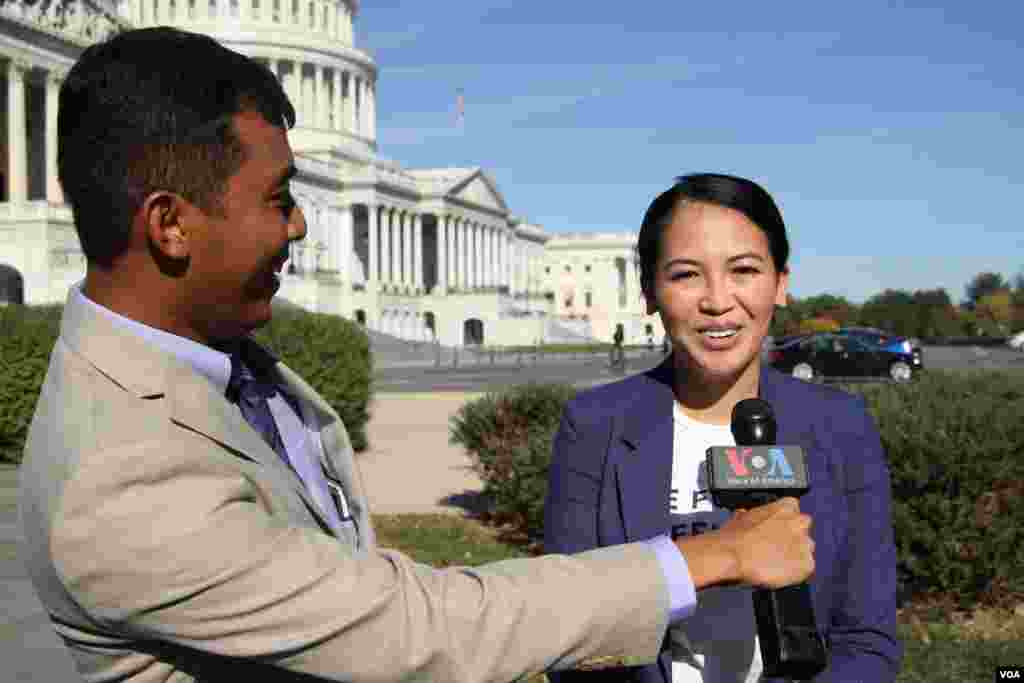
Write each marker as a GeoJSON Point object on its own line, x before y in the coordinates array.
{"type": "Point", "coordinates": [168, 542]}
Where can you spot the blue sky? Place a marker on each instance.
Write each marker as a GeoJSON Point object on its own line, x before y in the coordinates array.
{"type": "Point", "coordinates": [891, 134]}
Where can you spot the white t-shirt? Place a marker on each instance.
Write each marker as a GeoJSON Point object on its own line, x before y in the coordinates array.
{"type": "Point", "coordinates": [718, 643]}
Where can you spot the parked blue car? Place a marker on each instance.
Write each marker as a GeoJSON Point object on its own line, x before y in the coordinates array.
{"type": "Point", "coordinates": [886, 341]}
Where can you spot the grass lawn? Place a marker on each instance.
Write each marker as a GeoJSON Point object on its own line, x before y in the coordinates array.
{"type": "Point", "coordinates": [941, 647]}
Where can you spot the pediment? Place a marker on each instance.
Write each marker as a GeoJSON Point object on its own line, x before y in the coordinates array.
{"type": "Point", "coordinates": [80, 22]}
{"type": "Point", "coordinates": [480, 190]}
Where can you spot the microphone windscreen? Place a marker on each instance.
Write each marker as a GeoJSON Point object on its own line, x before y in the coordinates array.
{"type": "Point", "coordinates": [752, 409]}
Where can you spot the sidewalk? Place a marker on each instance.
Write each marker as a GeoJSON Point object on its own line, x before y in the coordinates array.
{"type": "Point", "coordinates": [409, 467]}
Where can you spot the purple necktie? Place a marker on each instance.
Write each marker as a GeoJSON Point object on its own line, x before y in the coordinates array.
{"type": "Point", "coordinates": [251, 395]}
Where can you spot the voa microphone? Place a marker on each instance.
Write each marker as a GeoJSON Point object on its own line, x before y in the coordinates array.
{"type": "Point", "coordinates": [757, 472]}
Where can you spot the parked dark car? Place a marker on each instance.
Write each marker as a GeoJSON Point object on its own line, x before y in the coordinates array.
{"type": "Point", "coordinates": [887, 341]}
{"type": "Point", "coordinates": [829, 354]}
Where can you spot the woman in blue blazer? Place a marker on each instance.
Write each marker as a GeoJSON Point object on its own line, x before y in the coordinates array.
{"type": "Point", "coordinates": [626, 463]}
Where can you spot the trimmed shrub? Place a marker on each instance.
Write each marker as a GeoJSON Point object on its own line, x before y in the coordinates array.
{"type": "Point", "coordinates": [330, 353]}
{"type": "Point", "coordinates": [27, 336]}
{"type": "Point", "coordinates": [956, 453]}
{"type": "Point", "coordinates": [509, 435]}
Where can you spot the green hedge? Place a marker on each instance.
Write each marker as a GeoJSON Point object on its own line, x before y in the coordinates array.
{"type": "Point", "coordinates": [27, 336]}
{"type": "Point", "coordinates": [332, 354]}
{"type": "Point", "coordinates": [956, 452]}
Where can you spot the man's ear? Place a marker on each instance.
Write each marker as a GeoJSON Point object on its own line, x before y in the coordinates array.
{"type": "Point", "coordinates": [164, 217]}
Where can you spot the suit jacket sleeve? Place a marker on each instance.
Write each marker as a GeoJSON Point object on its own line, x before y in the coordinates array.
{"type": "Point", "coordinates": [576, 484]}
{"type": "Point", "coordinates": [166, 542]}
{"type": "Point", "coordinates": [862, 625]}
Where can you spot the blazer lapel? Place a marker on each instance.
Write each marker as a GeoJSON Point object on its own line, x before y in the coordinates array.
{"type": "Point", "coordinates": [644, 472]}
{"type": "Point", "coordinates": [196, 404]}
{"type": "Point", "coordinates": [791, 429]}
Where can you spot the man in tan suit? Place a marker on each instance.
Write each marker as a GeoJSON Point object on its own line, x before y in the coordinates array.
{"type": "Point", "coordinates": [191, 507]}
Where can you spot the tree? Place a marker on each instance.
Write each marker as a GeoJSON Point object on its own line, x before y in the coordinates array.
{"type": "Point", "coordinates": [893, 310]}
{"type": "Point", "coordinates": [997, 308]}
{"type": "Point", "coordinates": [836, 308]}
{"type": "Point", "coordinates": [936, 315]}
{"type": "Point", "coordinates": [983, 284]}
{"type": "Point", "coordinates": [932, 297]}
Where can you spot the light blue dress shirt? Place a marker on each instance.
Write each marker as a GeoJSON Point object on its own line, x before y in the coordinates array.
{"type": "Point", "coordinates": [302, 443]}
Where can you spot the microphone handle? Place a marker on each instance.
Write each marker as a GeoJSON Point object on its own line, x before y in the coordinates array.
{"type": "Point", "coordinates": [791, 646]}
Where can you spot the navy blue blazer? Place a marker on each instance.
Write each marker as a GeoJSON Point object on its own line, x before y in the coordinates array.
{"type": "Point", "coordinates": [609, 483]}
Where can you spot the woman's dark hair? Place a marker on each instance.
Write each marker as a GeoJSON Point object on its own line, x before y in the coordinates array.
{"type": "Point", "coordinates": [151, 109]}
{"type": "Point", "coordinates": [728, 191]}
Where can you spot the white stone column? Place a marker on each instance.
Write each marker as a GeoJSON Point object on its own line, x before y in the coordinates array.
{"type": "Point", "coordinates": [502, 244]}
{"type": "Point", "coordinates": [291, 86]}
{"type": "Point", "coordinates": [467, 251]}
{"type": "Point", "coordinates": [346, 238]}
{"type": "Point", "coordinates": [321, 97]}
{"type": "Point", "coordinates": [482, 249]}
{"type": "Point", "coordinates": [53, 189]}
{"type": "Point", "coordinates": [406, 249]}
{"type": "Point", "coordinates": [331, 257]}
{"type": "Point", "coordinates": [336, 101]}
{"type": "Point", "coordinates": [244, 9]}
{"type": "Point", "coordinates": [511, 260]}
{"type": "Point", "coordinates": [464, 253]}
{"type": "Point", "coordinates": [441, 253]}
{"type": "Point", "coordinates": [372, 278]}
{"type": "Point", "coordinates": [360, 105]}
{"type": "Point", "coordinates": [350, 103]}
{"type": "Point", "coordinates": [478, 255]}
{"type": "Point", "coordinates": [396, 239]}
{"type": "Point", "coordinates": [418, 281]}
{"type": "Point", "coordinates": [385, 246]}
{"type": "Point", "coordinates": [472, 257]}
{"type": "Point", "coordinates": [463, 231]}
{"type": "Point", "coordinates": [364, 108]}
{"type": "Point", "coordinates": [17, 130]}
{"type": "Point", "coordinates": [371, 110]}
{"type": "Point", "coordinates": [308, 107]}
{"type": "Point", "coordinates": [450, 258]}
{"type": "Point", "coordinates": [492, 257]}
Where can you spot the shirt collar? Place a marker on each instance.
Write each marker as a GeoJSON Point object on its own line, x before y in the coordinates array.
{"type": "Point", "coordinates": [208, 362]}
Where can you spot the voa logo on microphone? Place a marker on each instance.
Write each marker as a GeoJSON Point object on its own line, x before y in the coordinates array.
{"type": "Point", "coordinates": [745, 463]}
{"type": "Point", "coordinates": [1009, 673]}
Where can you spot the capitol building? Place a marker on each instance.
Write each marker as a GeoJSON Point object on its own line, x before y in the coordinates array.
{"type": "Point", "coordinates": [418, 253]}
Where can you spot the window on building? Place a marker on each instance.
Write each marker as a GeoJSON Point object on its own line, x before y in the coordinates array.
{"type": "Point", "coordinates": [568, 268]}
{"type": "Point", "coordinates": [547, 269]}
{"type": "Point", "coordinates": [587, 268]}
{"type": "Point", "coordinates": [589, 299]}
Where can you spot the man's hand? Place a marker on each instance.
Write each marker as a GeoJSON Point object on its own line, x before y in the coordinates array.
{"type": "Point", "coordinates": [769, 546]}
